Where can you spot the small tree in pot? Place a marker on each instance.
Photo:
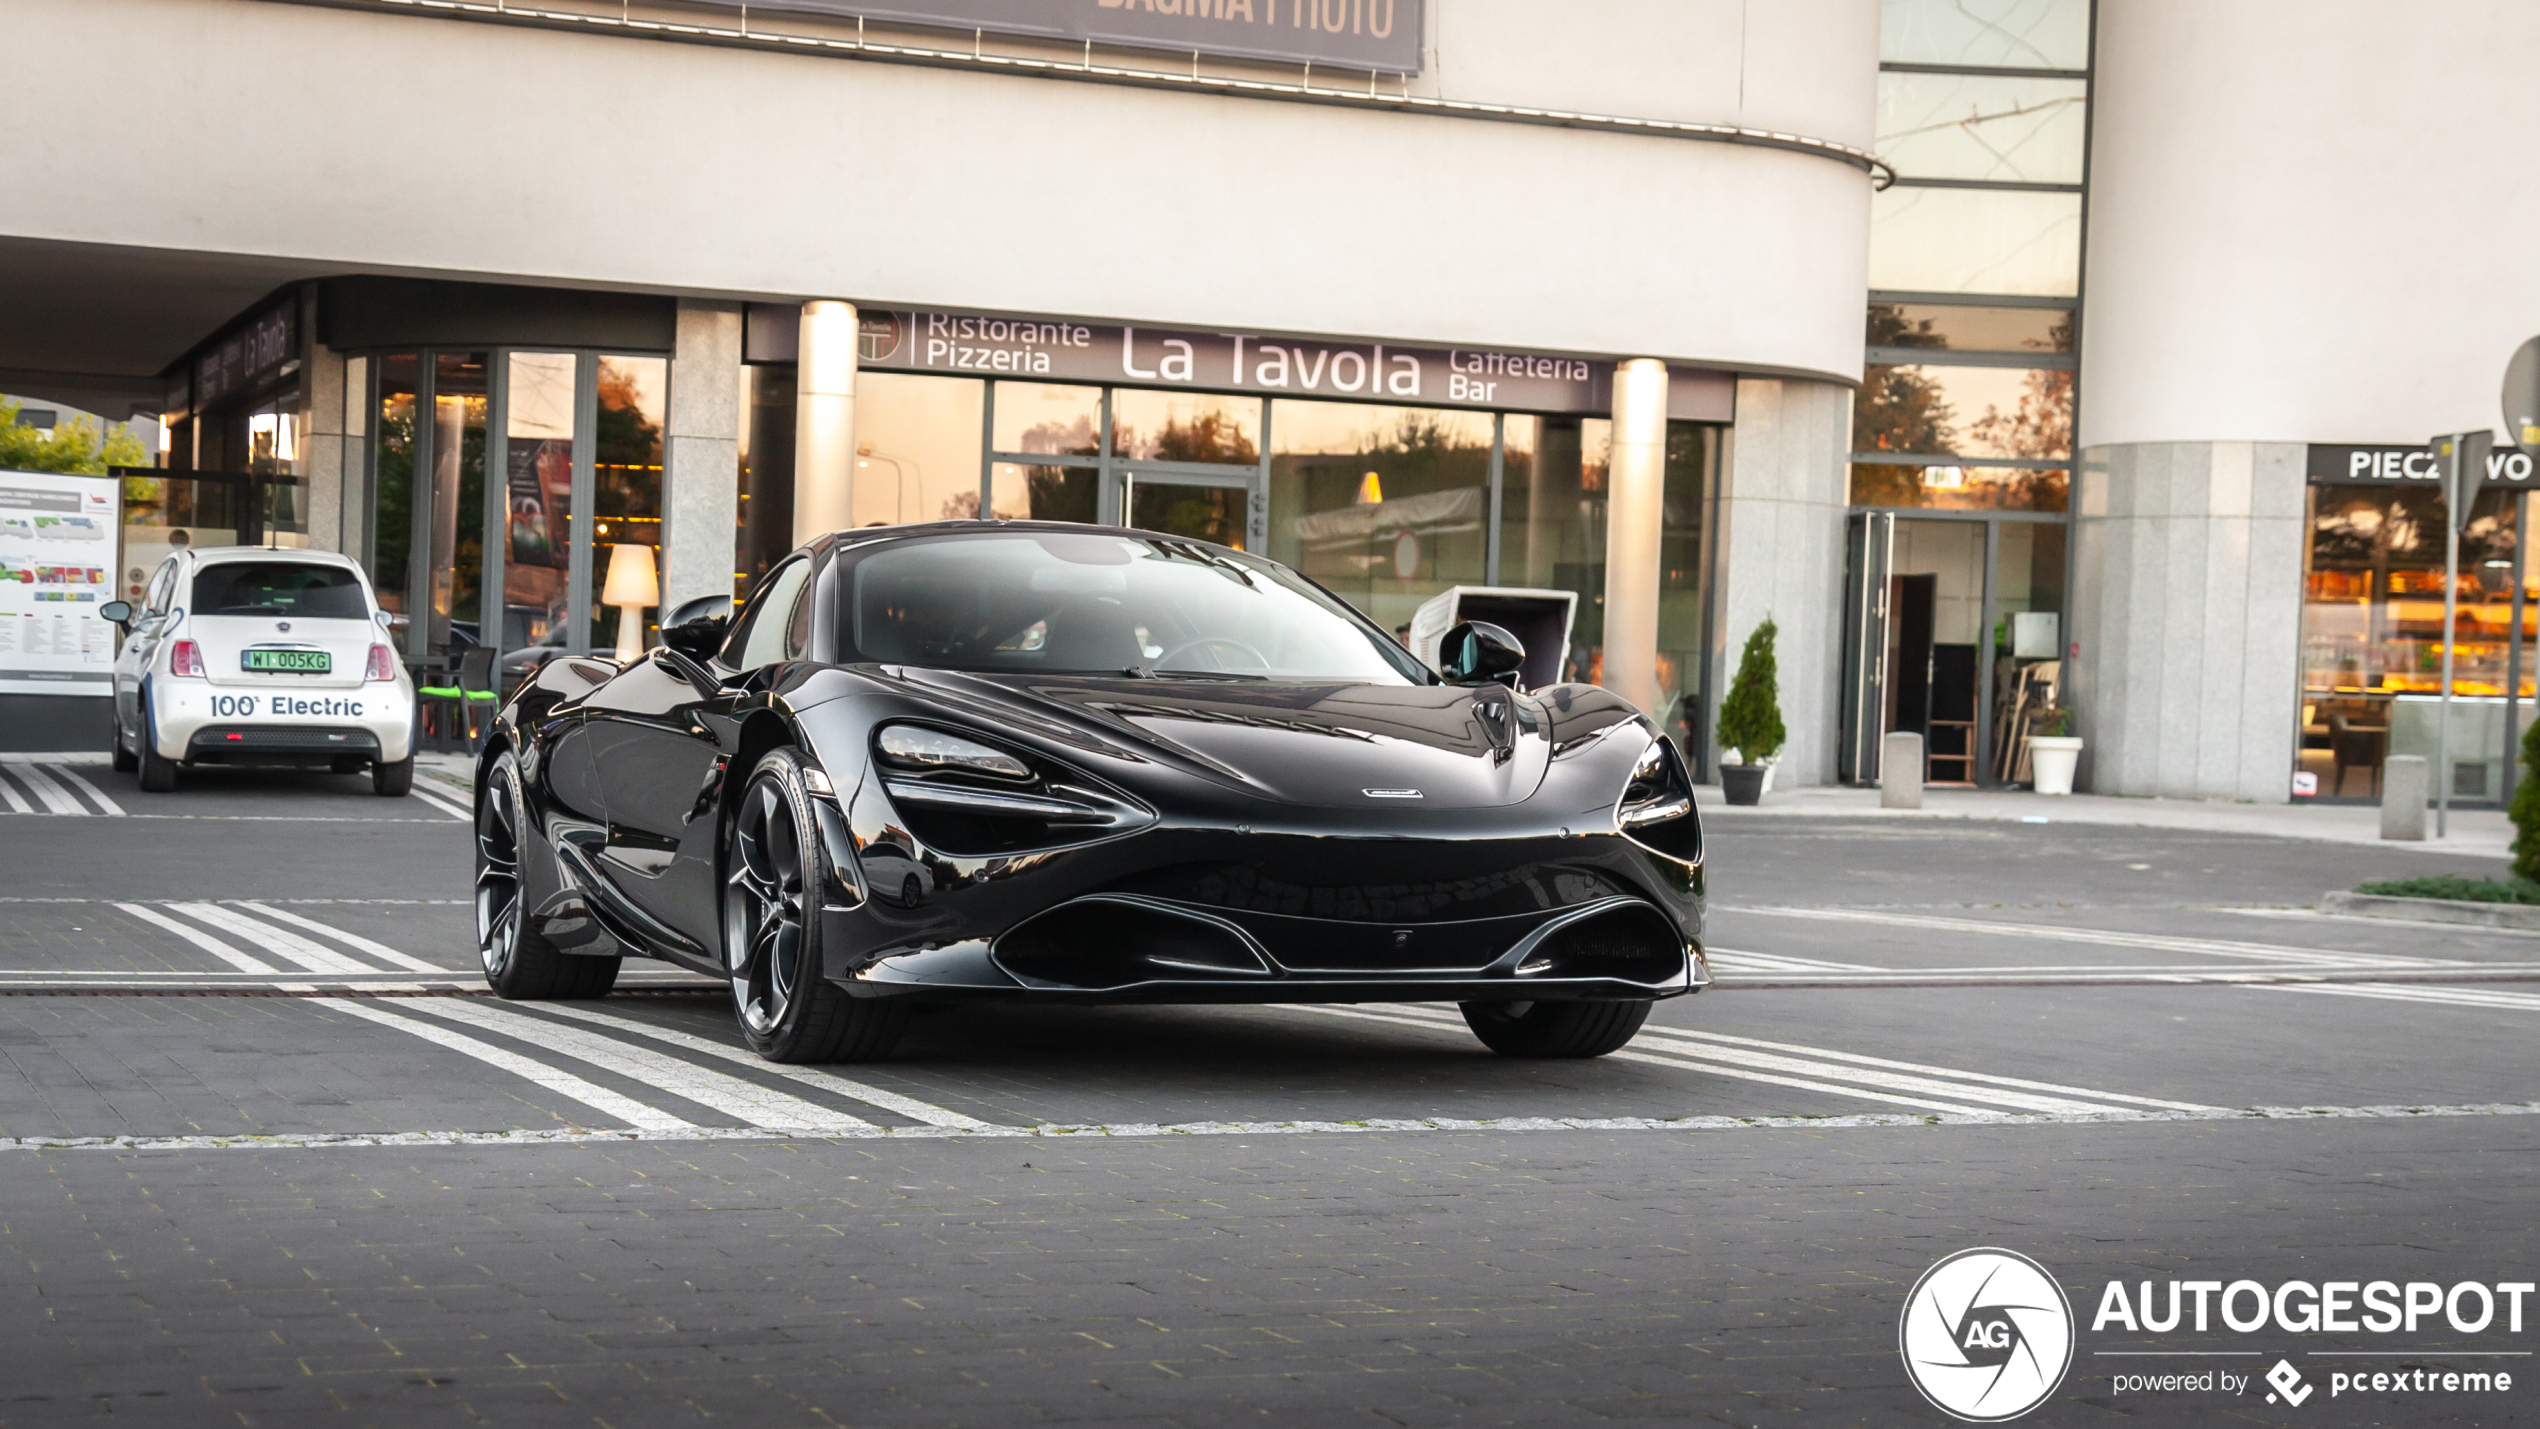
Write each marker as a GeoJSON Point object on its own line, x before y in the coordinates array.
{"type": "Point", "coordinates": [1751, 718]}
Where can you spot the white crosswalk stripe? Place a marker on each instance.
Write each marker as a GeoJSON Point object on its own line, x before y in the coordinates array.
{"type": "Point", "coordinates": [2160, 942]}
{"type": "Point", "coordinates": [445, 803]}
{"type": "Point", "coordinates": [562, 1083]}
{"type": "Point", "coordinates": [281, 942]}
{"type": "Point", "coordinates": [1824, 1069]}
{"type": "Point", "coordinates": [909, 1107]}
{"type": "Point", "coordinates": [746, 1101]}
{"type": "Point", "coordinates": [354, 941]}
{"type": "Point", "coordinates": [1738, 960]}
{"type": "Point", "coordinates": [95, 795]}
{"type": "Point", "coordinates": [2450, 995]}
{"type": "Point", "coordinates": [198, 938]}
{"type": "Point", "coordinates": [54, 798]}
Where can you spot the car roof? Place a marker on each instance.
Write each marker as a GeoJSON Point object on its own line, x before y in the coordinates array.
{"type": "Point", "coordinates": [215, 555]}
{"type": "Point", "coordinates": [861, 535]}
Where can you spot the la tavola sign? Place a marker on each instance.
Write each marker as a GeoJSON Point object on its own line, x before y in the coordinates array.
{"type": "Point", "coordinates": [1063, 350]}
{"type": "Point", "coordinates": [1379, 35]}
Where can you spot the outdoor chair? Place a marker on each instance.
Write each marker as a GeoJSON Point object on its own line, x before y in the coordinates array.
{"type": "Point", "coordinates": [470, 692]}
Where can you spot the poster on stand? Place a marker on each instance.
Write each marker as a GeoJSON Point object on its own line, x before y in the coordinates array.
{"type": "Point", "coordinates": [57, 566]}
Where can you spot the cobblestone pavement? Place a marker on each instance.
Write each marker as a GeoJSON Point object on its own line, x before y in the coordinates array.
{"type": "Point", "coordinates": [268, 1156]}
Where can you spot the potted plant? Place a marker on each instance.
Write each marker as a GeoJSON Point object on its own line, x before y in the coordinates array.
{"type": "Point", "coordinates": [2053, 750]}
{"type": "Point", "coordinates": [1751, 731]}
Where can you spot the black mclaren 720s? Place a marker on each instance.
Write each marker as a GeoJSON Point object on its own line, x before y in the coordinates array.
{"type": "Point", "coordinates": [1022, 760]}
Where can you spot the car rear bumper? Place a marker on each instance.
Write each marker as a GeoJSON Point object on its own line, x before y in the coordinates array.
{"type": "Point", "coordinates": [193, 719]}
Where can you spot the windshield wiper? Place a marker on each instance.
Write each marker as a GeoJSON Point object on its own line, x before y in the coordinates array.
{"type": "Point", "coordinates": [1203, 675]}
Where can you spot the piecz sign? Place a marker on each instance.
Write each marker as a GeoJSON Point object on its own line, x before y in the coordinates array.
{"type": "Point", "coordinates": [2403, 465]}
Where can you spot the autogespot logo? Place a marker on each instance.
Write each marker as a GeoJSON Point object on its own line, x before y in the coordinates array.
{"type": "Point", "coordinates": [1987, 1335]}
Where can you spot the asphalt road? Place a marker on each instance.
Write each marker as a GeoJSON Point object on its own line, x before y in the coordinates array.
{"type": "Point", "coordinates": [262, 1160]}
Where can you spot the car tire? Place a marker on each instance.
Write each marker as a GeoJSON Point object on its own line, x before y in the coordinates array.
{"type": "Point", "coordinates": [158, 776]}
{"type": "Point", "coordinates": [391, 781]}
{"type": "Point", "coordinates": [520, 965]}
{"type": "Point", "coordinates": [1555, 1029]}
{"type": "Point", "coordinates": [123, 759]}
{"type": "Point", "coordinates": [776, 874]}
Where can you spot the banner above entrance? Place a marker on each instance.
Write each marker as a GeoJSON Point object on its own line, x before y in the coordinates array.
{"type": "Point", "coordinates": [2403, 464]}
{"type": "Point", "coordinates": [1380, 35]}
{"type": "Point", "coordinates": [1064, 350]}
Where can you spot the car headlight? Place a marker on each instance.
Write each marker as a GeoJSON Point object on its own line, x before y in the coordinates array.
{"type": "Point", "coordinates": [1656, 810]}
{"type": "Point", "coordinates": [910, 746]}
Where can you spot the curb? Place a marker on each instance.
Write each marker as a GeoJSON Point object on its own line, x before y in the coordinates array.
{"type": "Point", "coordinates": [2520, 916]}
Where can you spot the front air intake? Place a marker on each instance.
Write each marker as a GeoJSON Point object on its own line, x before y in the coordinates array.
{"type": "Point", "coordinates": [1109, 941]}
{"type": "Point", "coordinates": [1630, 942]}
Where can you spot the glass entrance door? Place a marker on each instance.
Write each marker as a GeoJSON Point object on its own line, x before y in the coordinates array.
{"type": "Point", "coordinates": [1180, 506]}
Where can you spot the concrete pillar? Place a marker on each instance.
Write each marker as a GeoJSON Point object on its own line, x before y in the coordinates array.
{"type": "Point", "coordinates": [1901, 770]}
{"type": "Point", "coordinates": [701, 488]}
{"type": "Point", "coordinates": [824, 421]}
{"type": "Point", "coordinates": [325, 457]}
{"type": "Point", "coordinates": [2404, 791]}
{"type": "Point", "coordinates": [2187, 589]}
{"type": "Point", "coordinates": [1781, 555]}
{"type": "Point", "coordinates": [1635, 513]}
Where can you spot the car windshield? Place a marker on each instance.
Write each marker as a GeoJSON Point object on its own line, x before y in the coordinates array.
{"type": "Point", "coordinates": [1095, 603]}
{"type": "Point", "coordinates": [279, 588]}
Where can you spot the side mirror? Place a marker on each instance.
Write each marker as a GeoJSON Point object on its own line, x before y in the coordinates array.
{"type": "Point", "coordinates": [1480, 653]}
{"type": "Point", "coordinates": [696, 628]}
{"type": "Point", "coordinates": [116, 612]}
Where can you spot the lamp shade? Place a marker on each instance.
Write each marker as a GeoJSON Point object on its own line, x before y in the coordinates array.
{"type": "Point", "coordinates": [632, 579]}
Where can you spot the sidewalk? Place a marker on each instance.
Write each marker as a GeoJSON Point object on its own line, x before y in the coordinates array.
{"type": "Point", "coordinates": [2477, 833]}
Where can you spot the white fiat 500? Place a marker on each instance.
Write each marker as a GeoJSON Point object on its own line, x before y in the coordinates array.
{"type": "Point", "coordinates": [250, 655]}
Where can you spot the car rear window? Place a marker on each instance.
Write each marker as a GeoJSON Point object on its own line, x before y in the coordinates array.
{"type": "Point", "coordinates": [279, 588]}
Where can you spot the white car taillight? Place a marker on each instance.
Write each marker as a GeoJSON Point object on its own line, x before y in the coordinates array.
{"type": "Point", "coordinates": [383, 666]}
{"type": "Point", "coordinates": [186, 659]}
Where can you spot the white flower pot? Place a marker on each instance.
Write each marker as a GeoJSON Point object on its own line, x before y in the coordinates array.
{"type": "Point", "coordinates": [2051, 758]}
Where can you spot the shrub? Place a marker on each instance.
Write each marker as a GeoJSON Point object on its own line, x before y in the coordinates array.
{"type": "Point", "coordinates": [2525, 808]}
{"type": "Point", "coordinates": [2464, 890]}
{"type": "Point", "coordinates": [1751, 717]}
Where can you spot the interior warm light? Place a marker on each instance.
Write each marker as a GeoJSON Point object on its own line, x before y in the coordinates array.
{"type": "Point", "coordinates": [1371, 492]}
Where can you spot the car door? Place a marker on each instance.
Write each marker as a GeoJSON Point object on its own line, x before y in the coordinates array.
{"type": "Point", "coordinates": [659, 737]}
{"type": "Point", "coordinates": [132, 663]}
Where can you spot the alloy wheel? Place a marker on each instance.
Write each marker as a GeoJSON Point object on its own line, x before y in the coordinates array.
{"type": "Point", "coordinates": [498, 874]}
{"type": "Point", "coordinates": [763, 908]}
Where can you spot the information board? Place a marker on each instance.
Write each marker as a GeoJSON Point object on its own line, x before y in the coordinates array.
{"type": "Point", "coordinates": [57, 566]}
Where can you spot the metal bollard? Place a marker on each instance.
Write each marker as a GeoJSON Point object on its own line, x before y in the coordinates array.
{"type": "Point", "coordinates": [1901, 771]}
{"type": "Point", "coordinates": [2403, 790]}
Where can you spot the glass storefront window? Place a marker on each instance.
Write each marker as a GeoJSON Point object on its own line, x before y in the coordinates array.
{"type": "Point", "coordinates": [2007, 241]}
{"type": "Point", "coordinates": [1386, 506]}
{"type": "Point", "coordinates": [1203, 513]}
{"type": "Point", "coordinates": [1044, 419]}
{"type": "Point", "coordinates": [537, 495]}
{"type": "Point", "coordinates": [2008, 128]}
{"type": "Point", "coordinates": [1951, 486]}
{"type": "Point", "coordinates": [1185, 427]}
{"type": "Point", "coordinates": [458, 496]}
{"type": "Point", "coordinates": [1949, 327]}
{"type": "Point", "coordinates": [2010, 34]}
{"type": "Point", "coordinates": [1045, 493]}
{"type": "Point", "coordinates": [2023, 413]}
{"type": "Point", "coordinates": [1693, 455]}
{"type": "Point", "coordinates": [1552, 521]}
{"type": "Point", "coordinates": [393, 483]}
{"type": "Point", "coordinates": [2373, 636]}
{"type": "Point", "coordinates": [626, 476]}
{"type": "Point", "coordinates": [917, 448]}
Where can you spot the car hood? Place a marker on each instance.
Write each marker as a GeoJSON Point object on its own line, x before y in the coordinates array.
{"type": "Point", "coordinates": [1326, 744]}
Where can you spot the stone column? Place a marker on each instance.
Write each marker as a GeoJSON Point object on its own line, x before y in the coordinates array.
{"type": "Point", "coordinates": [2187, 591]}
{"type": "Point", "coordinates": [1635, 513]}
{"type": "Point", "coordinates": [824, 421]}
{"type": "Point", "coordinates": [326, 458]}
{"type": "Point", "coordinates": [701, 487]}
{"type": "Point", "coordinates": [1781, 555]}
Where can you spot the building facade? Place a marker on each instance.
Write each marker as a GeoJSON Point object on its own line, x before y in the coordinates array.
{"type": "Point", "coordinates": [1879, 321]}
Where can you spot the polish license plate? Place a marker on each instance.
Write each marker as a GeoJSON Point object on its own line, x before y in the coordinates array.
{"type": "Point", "coordinates": [288, 662]}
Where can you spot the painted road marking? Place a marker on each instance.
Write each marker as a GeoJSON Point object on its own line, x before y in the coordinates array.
{"type": "Point", "coordinates": [286, 945]}
{"type": "Point", "coordinates": [205, 941]}
{"type": "Point", "coordinates": [747, 1101]}
{"type": "Point", "coordinates": [55, 798]}
{"type": "Point", "coordinates": [1155, 1130]}
{"type": "Point", "coordinates": [2159, 942]}
{"type": "Point", "coordinates": [95, 795]}
{"type": "Point", "coordinates": [446, 805]}
{"type": "Point", "coordinates": [831, 1083]}
{"type": "Point", "coordinates": [562, 1083]}
{"type": "Point", "coordinates": [1738, 959]}
{"type": "Point", "coordinates": [361, 944]}
{"type": "Point", "coordinates": [2446, 996]}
